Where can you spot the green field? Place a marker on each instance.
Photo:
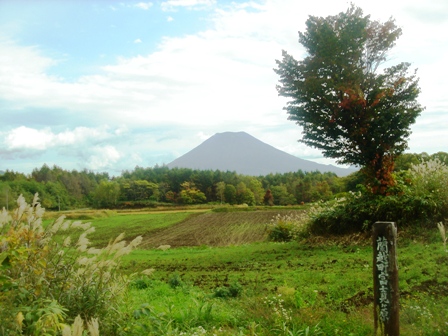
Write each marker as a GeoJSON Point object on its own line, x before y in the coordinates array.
{"type": "Point", "coordinates": [222, 277]}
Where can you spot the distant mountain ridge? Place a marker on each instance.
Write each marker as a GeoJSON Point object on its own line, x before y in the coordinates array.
{"type": "Point", "coordinates": [246, 155]}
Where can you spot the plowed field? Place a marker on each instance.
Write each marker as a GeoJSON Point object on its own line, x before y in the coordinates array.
{"type": "Point", "coordinates": [213, 229]}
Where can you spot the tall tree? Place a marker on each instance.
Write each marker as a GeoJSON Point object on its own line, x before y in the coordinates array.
{"type": "Point", "coordinates": [230, 194]}
{"type": "Point", "coordinates": [256, 187]}
{"type": "Point", "coordinates": [220, 188]}
{"type": "Point", "coordinates": [349, 107]}
{"type": "Point", "coordinates": [268, 198]}
{"type": "Point", "coordinates": [106, 194]}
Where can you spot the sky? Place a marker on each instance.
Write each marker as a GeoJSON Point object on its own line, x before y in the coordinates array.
{"type": "Point", "coordinates": [110, 85]}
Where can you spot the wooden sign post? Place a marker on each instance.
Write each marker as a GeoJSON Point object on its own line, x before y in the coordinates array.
{"type": "Point", "coordinates": [385, 279]}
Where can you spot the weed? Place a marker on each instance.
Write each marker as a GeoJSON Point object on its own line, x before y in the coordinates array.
{"type": "Point", "coordinates": [303, 299]}
{"type": "Point", "coordinates": [314, 331]}
{"type": "Point", "coordinates": [49, 276]}
{"type": "Point", "coordinates": [234, 290]}
{"type": "Point", "coordinates": [77, 329]}
{"type": "Point", "coordinates": [175, 281]}
{"type": "Point", "coordinates": [287, 227]}
{"type": "Point", "coordinates": [281, 314]}
{"type": "Point", "coordinates": [140, 283]}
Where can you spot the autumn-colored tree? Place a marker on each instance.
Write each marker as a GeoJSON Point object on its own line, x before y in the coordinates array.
{"type": "Point", "coordinates": [171, 196]}
{"type": "Point", "coordinates": [190, 194]}
{"type": "Point", "coordinates": [349, 106]}
{"type": "Point", "coordinates": [268, 198]}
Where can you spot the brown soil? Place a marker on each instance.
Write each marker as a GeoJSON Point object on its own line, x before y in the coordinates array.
{"type": "Point", "coordinates": [234, 228]}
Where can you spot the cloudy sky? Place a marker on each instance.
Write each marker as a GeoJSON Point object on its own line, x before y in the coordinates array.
{"type": "Point", "coordinates": [111, 85]}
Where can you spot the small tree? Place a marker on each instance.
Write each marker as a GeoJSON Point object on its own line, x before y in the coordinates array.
{"type": "Point", "coordinates": [268, 199]}
{"type": "Point", "coordinates": [348, 107]}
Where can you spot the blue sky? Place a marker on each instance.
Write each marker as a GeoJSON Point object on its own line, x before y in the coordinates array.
{"type": "Point", "coordinates": [109, 85]}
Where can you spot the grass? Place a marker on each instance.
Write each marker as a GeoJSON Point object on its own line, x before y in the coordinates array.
{"type": "Point", "coordinates": [175, 228]}
{"type": "Point", "coordinates": [329, 285]}
{"type": "Point", "coordinates": [109, 224]}
{"type": "Point", "coordinates": [134, 225]}
{"type": "Point", "coordinates": [213, 229]}
{"type": "Point", "coordinates": [323, 284]}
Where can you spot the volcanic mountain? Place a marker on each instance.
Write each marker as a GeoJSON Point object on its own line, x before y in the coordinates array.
{"type": "Point", "coordinates": [246, 155]}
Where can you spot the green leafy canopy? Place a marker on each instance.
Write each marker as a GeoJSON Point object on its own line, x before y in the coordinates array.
{"type": "Point", "coordinates": [348, 105]}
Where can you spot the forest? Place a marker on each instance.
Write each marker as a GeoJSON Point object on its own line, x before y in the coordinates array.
{"type": "Point", "coordinates": [61, 189]}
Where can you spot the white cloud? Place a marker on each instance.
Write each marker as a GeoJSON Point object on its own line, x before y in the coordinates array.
{"type": "Point", "coordinates": [172, 5]}
{"type": "Point", "coordinates": [225, 72]}
{"type": "Point", "coordinates": [102, 157]}
{"type": "Point", "coordinates": [23, 72]}
{"type": "Point", "coordinates": [137, 41]}
{"type": "Point", "coordinates": [90, 148]}
{"type": "Point", "coordinates": [26, 138]}
{"type": "Point", "coordinates": [169, 19]}
{"type": "Point", "coordinates": [144, 5]}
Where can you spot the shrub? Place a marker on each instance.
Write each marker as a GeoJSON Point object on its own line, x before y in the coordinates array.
{"type": "Point", "coordinates": [49, 275]}
{"type": "Point", "coordinates": [139, 283]}
{"type": "Point", "coordinates": [287, 227]}
{"type": "Point", "coordinates": [419, 198]}
{"type": "Point", "coordinates": [430, 182]}
{"type": "Point", "coordinates": [175, 281]}
{"type": "Point", "coordinates": [234, 290]}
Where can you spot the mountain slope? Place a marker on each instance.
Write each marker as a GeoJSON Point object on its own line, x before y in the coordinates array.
{"type": "Point", "coordinates": [241, 152]}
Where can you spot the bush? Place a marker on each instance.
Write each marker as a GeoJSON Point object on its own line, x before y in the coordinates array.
{"type": "Point", "coordinates": [49, 276]}
{"type": "Point", "coordinates": [419, 198]}
{"type": "Point", "coordinates": [175, 281]}
{"type": "Point", "coordinates": [353, 213]}
{"type": "Point", "coordinates": [140, 283]}
{"type": "Point", "coordinates": [284, 228]}
{"type": "Point", "coordinates": [430, 182]}
{"type": "Point", "coordinates": [234, 290]}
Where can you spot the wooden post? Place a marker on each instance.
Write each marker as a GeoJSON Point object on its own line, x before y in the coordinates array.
{"type": "Point", "coordinates": [385, 279]}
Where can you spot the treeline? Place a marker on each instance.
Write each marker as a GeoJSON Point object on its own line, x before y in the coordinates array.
{"type": "Point", "coordinates": [57, 188]}
{"type": "Point", "coordinates": [144, 187]}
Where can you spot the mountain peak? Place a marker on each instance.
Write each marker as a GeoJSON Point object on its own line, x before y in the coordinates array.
{"type": "Point", "coordinates": [246, 155]}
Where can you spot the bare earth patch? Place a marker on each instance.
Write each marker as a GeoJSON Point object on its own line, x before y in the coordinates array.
{"type": "Point", "coordinates": [213, 229]}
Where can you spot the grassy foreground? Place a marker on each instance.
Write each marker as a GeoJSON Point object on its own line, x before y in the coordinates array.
{"type": "Point", "coordinates": [221, 277]}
